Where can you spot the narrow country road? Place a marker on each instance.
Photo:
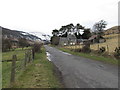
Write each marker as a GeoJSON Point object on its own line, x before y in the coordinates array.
{"type": "Point", "coordinates": [79, 72]}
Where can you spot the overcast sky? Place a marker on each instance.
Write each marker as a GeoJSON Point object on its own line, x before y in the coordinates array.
{"type": "Point", "coordinates": [46, 15]}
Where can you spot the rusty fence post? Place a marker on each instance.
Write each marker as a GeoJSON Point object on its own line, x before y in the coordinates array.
{"type": "Point", "coordinates": [12, 79]}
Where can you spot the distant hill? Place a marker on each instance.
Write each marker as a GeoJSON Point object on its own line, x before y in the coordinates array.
{"type": "Point", "coordinates": [112, 30]}
{"type": "Point", "coordinates": [7, 33]}
{"type": "Point", "coordinates": [43, 36]}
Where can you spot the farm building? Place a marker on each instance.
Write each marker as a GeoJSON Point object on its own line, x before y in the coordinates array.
{"type": "Point", "coordinates": [96, 39]}
{"type": "Point", "coordinates": [63, 41]}
{"type": "Point", "coordinates": [69, 40]}
{"type": "Point", "coordinates": [72, 39]}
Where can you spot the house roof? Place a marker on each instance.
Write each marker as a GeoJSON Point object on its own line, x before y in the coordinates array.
{"type": "Point", "coordinates": [92, 37]}
{"type": "Point", "coordinates": [72, 36]}
{"type": "Point", "coordinates": [14, 40]}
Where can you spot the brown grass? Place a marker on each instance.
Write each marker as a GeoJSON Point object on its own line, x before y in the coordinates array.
{"type": "Point", "coordinates": [110, 44]}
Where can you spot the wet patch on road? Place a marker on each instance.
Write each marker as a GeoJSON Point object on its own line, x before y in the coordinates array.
{"type": "Point", "coordinates": [48, 56]}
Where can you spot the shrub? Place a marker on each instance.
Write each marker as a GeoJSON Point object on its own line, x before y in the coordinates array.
{"type": "Point", "coordinates": [117, 52]}
{"type": "Point", "coordinates": [6, 44]}
{"type": "Point", "coordinates": [102, 49]}
{"type": "Point", "coordinates": [23, 42]}
{"type": "Point", "coordinates": [86, 48]}
{"type": "Point", "coordinates": [77, 50]}
{"type": "Point", "coordinates": [37, 47]}
{"type": "Point", "coordinates": [55, 40]}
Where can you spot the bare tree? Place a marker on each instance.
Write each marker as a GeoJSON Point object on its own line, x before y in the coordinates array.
{"type": "Point", "coordinates": [99, 27]}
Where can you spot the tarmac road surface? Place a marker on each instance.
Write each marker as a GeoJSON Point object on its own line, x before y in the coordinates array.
{"type": "Point", "coordinates": [79, 72]}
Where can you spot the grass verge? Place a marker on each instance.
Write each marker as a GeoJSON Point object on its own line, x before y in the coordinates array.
{"type": "Point", "coordinates": [91, 56]}
{"type": "Point", "coordinates": [6, 66]}
{"type": "Point", "coordinates": [37, 74]}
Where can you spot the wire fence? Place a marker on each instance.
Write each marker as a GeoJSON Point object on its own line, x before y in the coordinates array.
{"type": "Point", "coordinates": [95, 47]}
{"type": "Point", "coordinates": [21, 64]}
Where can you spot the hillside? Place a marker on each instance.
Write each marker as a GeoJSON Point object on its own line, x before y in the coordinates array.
{"type": "Point", "coordinates": [7, 33]}
{"type": "Point", "coordinates": [112, 30]}
{"type": "Point", "coordinates": [111, 36]}
{"type": "Point", "coordinates": [43, 36]}
{"type": "Point", "coordinates": [111, 43]}
{"type": "Point", "coordinates": [39, 36]}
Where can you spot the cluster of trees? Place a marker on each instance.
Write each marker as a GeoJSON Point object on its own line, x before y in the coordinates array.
{"type": "Point", "coordinates": [98, 28]}
{"type": "Point", "coordinates": [23, 42]}
{"type": "Point", "coordinates": [79, 31]}
{"type": "Point", "coordinates": [71, 29]}
{"type": "Point", "coordinates": [8, 43]}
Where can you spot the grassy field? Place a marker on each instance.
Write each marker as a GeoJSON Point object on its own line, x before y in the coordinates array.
{"type": "Point", "coordinates": [38, 74]}
{"type": "Point", "coordinates": [6, 66]}
{"type": "Point", "coordinates": [19, 52]}
{"type": "Point", "coordinates": [92, 56]}
{"type": "Point", "coordinates": [111, 43]}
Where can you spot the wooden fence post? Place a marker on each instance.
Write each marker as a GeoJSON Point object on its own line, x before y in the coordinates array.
{"type": "Point", "coordinates": [33, 53]}
{"type": "Point", "coordinates": [29, 59]}
{"type": "Point", "coordinates": [107, 48]}
{"type": "Point", "coordinates": [25, 60]}
{"type": "Point", "coordinates": [98, 46]}
{"type": "Point", "coordinates": [12, 79]}
{"type": "Point", "coordinates": [30, 55]}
